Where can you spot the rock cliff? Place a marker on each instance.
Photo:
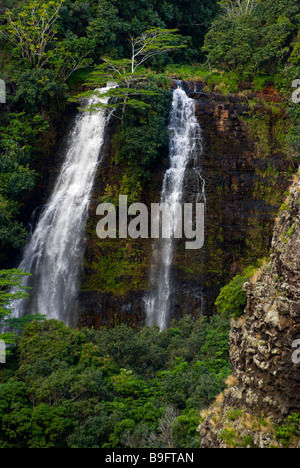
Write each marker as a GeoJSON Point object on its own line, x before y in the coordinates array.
{"type": "Point", "coordinates": [266, 377]}
{"type": "Point", "coordinates": [246, 175]}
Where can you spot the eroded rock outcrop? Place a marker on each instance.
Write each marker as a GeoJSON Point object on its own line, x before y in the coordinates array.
{"type": "Point", "coordinates": [261, 341]}
{"type": "Point", "coordinates": [266, 377]}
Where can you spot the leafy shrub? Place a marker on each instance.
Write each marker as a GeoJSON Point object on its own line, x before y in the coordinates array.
{"type": "Point", "coordinates": [19, 138]}
{"type": "Point", "coordinates": [37, 90]}
{"type": "Point", "coordinates": [232, 299]}
{"type": "Point", "coordinates": [112, 388]}
{"type": "Point", "coordinates": [290, 428]}
{"type": "Point", "coordinates": [254, 43]}
{"type": "Point", "coordinates": [144, 135]}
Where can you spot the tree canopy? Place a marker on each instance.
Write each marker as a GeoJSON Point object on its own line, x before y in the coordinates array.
{"type": "Point", "coordinates": [111, 388]}
{"type": "Point", "coordinates": [257, 40]}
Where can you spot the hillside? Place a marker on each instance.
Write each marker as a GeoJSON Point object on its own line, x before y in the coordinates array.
{"type": "Point", "coordinates": [116, 335]}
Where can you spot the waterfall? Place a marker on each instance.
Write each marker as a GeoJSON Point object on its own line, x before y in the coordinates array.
{"type": "Point", "coordinates": [54, 253]}
{"type": "Point", "coordinates": [185, 147]}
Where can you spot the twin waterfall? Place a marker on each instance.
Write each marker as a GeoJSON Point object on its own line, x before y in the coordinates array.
{"type": "Point", "coordinates": [185, 140]}
{"type": "Point", "coordinates": [55, 252]}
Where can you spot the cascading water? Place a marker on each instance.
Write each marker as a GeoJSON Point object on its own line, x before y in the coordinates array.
{"type": "Point", "coordinates": [185, 146]}
{"type": "Point", "coordinates": [54, 254]}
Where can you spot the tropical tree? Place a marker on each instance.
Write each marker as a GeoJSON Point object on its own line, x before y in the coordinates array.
{"type": "Point", "coordinates": [18, 138]}
{"type": "Point", "coordinates": [124, 73]}
{"type": "Point", "coordinates": [252, 43]}
{"type": "Point", "coordinates": [151, 43]}
{"type": "Point", "coordinates": [122, 90]}
{"type": "Point", "coordinates": [32, 29]}
{"type": "Point", "coordinates": [70, 55]}
{"type": "Point", "coordinates": [235, 8]}
{"type": "Point", "coordinates": [11, 289]}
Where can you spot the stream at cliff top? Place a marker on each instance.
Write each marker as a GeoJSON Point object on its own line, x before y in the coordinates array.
{"type": "Point", "coordinates": [54, 253]}
{"type": "Point", "coordinates": [185, 147]}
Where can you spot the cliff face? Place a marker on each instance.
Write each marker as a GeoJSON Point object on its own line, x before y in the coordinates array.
{"type": "Point", "coordinates": [245, 173]}
{"type": "Point", "coordinates": [114, 271]}
{"type": "Point", "coordinates": [245, 178]}
{"type": "Point", "coordinates": [266, 375]}
{"type": "Point", "coordinates": [261, 341]}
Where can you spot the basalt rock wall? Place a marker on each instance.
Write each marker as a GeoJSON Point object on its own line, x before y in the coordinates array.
{"type": "Point", "coordinates": [246, 175]}
{"type": "Point", "coordinates": [264, 346]}
{"type": "Point", "coordinates": [262, 340]}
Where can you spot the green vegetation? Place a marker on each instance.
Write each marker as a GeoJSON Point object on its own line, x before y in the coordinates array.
{"type": "Point", "coordinates": [232, 299]}
{"type": "Point", "coordinates": [255, 42]}
{"type": "Point", "coordinates": [52, 47]}
{"type": "Point", "coordinates": [238, 428]}
{"type": "Point", "coordinates": [117, 271]}
{"type": "Point", "coordinates": [12, 289]}
{"type": "Point", "coordinates": [116, 388]}
{"type": "Point", "coordinates": [289, 431]}
{"type": "Point", "coordinates": [127, 75]}
{"type": "Point", "coordinates": [33, 31]}
{"type": "Point", "coordinates": [216, 80]}
{"type": "Point", "coordinates": [111, 388]}
{"type": "Point", "coordinates": [293, 137]}
{"type": "Point", "coordinates": [235, 433]}
{"type": "Point", "coordinates": [18, 138]}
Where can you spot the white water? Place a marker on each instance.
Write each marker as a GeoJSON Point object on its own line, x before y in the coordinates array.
{"type": "Point", "coordinates": [54, 254]}
{"type": "Point", "coordinates": [185, 146]}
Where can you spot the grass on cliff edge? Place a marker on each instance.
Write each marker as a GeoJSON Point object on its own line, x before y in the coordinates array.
{"type": "Point", "coordinates": [225, 82]}
{"type": "Point", "coordinates": [215, 80]}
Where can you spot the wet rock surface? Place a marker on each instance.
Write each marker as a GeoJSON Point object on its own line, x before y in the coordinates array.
{"type": "Point", "coordinates": [238, 222]}
{"type": "Point", "coordinates": [262, 341]}
{"type": "Point", "coordinates": [266, 371]}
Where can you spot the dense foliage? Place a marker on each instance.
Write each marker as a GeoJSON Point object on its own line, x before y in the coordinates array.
{"type": "Point", "coordinates": [256, 41]}
{"type": "Point", "coordinates": [12, 290]}
{"type": "Point", "coordinates": [18, 138]}
{"type": "Point", "coordinates": [144, 134]}
{"type": "Point", "coordinates": [42, 45]}
{"type": "Point", "coordinates": [232, 299]}
{"type": "Point", "coordinates": [111, 388]}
